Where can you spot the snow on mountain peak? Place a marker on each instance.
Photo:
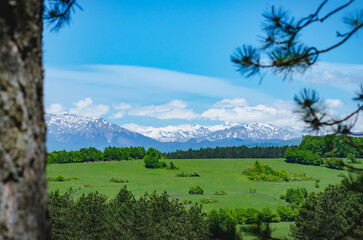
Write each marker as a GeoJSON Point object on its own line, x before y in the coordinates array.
{"type": "Point", "coordinates": [183, 133]}
{"type": "Point", "coordinates": [72, 124]}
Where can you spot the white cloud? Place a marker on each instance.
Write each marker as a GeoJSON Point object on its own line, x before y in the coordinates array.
{"type": "Point", "coordinates": [55, 108]}
{"type": "Point", "coordinates": [279, 113]}
{"type": "Point", "coordinates": [86, 108]}
{"type": "Point", "coordinates": [324, 73]}
{"type": "Point", "coordinates": [333, 103]}
{"type": "Point", "coordinates": [83, 103]}
{"type": "Point", "coordinates": [358, 127]}
{"type": "Point", "coordinates": [175, 109]}
{"type": "Point", "coordinates": [118, 115]}
{"type": "Point", "coordinates": [122, 106]}
{"type": "Point", "coordinates": [230, 103]}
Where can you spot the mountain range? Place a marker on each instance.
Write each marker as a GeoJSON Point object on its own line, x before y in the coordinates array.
{"type": "Point", "coordinates": [71, 132]}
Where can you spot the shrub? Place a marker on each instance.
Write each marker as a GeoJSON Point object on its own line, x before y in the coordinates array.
{"type": "Point", "coordinates": [208, 200]}
{"type": "Point", "coordinates": [193, 174]}
{"type": "Point", "coordinates": [296, 196]}
{"type": "Point", "coordinates": [252, 190]}
{"type": "Point", "coordinates": [119, 180]}
{"type": "Point", "coordinates": [60, 178]}
{"type": "Point", "coordinates": [264, 173]}
{"type": "Point", "coordinates": [196, 190]}
{"type": "Point", "coordinates": [219, 193]}
{"type": "Point", "coordinates": [182, 174]}
{"type": "Point", "coordinates": [153, 162]}
{"type": "Point", "coordinates": [173, 167]}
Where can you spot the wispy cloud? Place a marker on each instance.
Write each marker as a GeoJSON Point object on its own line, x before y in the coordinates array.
{"type": "Point", "coordinates": [333, 103]}
{"type": "Point", "coordinates": [121, 110]}
{"type": "Point", "coordinates": [175, 109]}
{"type": "Point", "coordinates": [86, 108]}
{"type": "Point", "coordinates": [227, 102]}
{"type": "Point", "coordinates": [122, 106]}
{"type": "Point", "coordinates": [324, 73]}
{"type": "Point", "coordinates": [126, 81]}
{"type": "Point", "coordinates": [279, 113]}
{"type": "Point", "coordinates": [55, 108]}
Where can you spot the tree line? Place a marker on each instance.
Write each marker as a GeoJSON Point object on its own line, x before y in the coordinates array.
{"type": "Point", "coordinates": [128, 153]}
{"type": "Point", "coordinates": [94, 155]}
{"type": "Point", "coordinates": [229, 152]}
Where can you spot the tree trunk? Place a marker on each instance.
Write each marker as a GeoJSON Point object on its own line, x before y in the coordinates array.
{"type": "Point", "coordinates": [24, 212]}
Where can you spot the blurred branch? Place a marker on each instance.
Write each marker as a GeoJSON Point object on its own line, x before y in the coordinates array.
{"type": "Point", "coordinates": [288, 56]}
{"type": "Point", "coordinates": [58, 12]}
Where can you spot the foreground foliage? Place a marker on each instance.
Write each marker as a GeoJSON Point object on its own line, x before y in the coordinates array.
{"type": "Point", "coordinates": [152, 216]}
{"type": "Point", "coordinates": [335, 213]}
{"type": "Point", "coordinates": [223, 222]}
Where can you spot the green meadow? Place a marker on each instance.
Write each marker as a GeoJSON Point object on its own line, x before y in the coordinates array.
{"type": "Point", "coordinates": [215, 175]}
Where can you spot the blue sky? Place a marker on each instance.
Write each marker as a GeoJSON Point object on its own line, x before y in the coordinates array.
{"type": "Point", "coordinates": [158, 63]}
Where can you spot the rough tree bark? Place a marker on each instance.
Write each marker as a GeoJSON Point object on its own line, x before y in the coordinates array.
{"type": "Point", "coordinates": [24, 210]}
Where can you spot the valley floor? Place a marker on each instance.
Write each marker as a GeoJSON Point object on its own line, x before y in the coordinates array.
{"type": "Point", "coordinates": [215, 175]}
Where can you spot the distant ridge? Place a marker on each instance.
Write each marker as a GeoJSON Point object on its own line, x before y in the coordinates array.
{"type": "Point", "coordinates": [71, 132]}
{"type": "Point", "coordinates": [228, 130]}
{"type": "Point", "coordinates": [68, 131]}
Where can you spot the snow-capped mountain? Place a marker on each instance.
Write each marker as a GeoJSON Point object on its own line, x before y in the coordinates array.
{"type": "Point", "coordinates": [254, 131]}
{"type": "Point", "coordinates": [173, 133]}
{"type": "Point", "coordinates": [228, 130]}
{"type": "Point", "coordinates": [69, 131]}
{"type": "Point", "coordinates": [180, 133]}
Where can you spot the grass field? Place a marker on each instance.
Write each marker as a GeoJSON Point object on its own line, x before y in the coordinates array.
{"type": "Point", "coordinates": [215, 175]}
